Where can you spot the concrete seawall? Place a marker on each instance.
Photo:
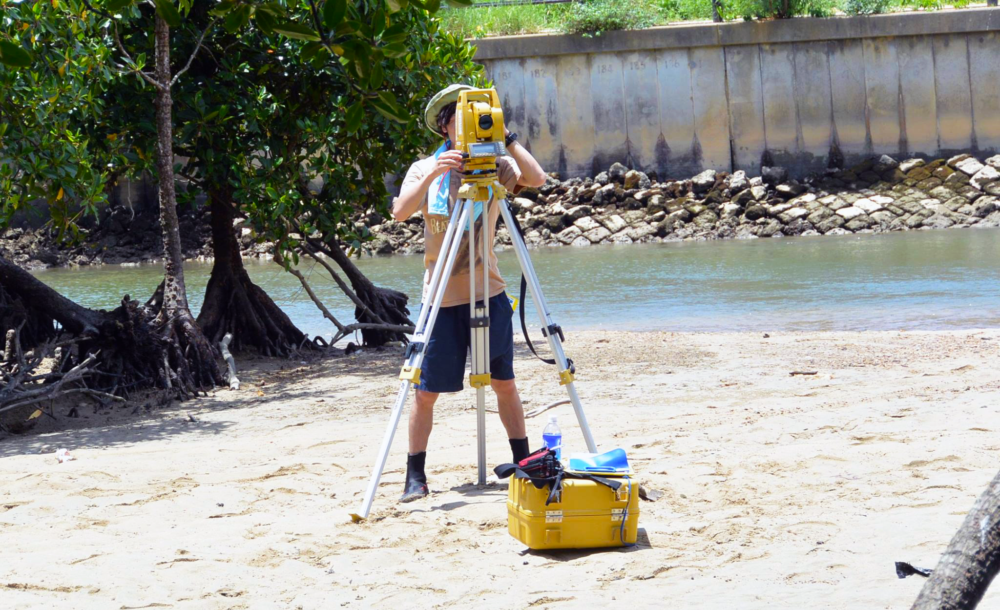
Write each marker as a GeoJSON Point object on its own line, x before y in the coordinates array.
{"type": "Point", "coordinates": [802, 93]}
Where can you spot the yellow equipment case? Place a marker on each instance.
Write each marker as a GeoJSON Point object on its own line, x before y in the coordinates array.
{"type": "Point", "coordinates": [584, 514]}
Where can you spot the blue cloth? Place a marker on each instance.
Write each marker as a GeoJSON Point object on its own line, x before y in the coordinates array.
{"type": "Point", "coordinates": [443, 369]}
{"type": "Point", "coordinates": [440, 191]}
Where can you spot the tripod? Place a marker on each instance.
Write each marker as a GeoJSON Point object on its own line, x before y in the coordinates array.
{"type": "Point", "coordinates": [474, 189]}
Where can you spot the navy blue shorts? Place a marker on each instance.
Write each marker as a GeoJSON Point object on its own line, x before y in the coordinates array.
{"type": "Point", "coordinates": [448, 349]}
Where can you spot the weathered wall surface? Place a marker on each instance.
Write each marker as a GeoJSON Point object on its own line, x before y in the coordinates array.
{"type": "Point", "coordinates": [802, 93]}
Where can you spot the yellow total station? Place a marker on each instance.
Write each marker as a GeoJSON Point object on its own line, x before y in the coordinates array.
{"type": "Point", "coordinates": [479, 133]}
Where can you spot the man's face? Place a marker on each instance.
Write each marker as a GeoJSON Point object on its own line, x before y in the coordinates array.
{"type": "Point", "coordinates": [451, 131]}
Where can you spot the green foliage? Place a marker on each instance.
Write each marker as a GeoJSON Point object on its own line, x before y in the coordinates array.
{"type": "Point", "coordinates": [776, 9]}
{"type": "Point", "coordinates": [686, 10]}
{"type": "Point", "coordinates": [504, 20]}
{"type": "Point", "coordinates": [867, 7]}
{"type": "Point", "coordinates": [50, 90]}
{"type": "Point", "coordinates": [595, 16]}
{"type": "Point", "coordinates": [297, 116]}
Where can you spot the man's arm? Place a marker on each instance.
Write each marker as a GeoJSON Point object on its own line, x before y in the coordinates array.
{"type": "Point", "coordinates": [413, 192]}
{"type": "Point", "coordinates": [532, 174]}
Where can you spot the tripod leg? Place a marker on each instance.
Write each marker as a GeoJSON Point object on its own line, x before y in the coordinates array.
{"type": "Point", "coordinates": [565, 375]}
{"type": "Point", "coordinates": [415, 357]}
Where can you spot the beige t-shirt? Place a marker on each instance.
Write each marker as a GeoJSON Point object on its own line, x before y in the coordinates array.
{"type": "Point", "coordinates": [457, 289]}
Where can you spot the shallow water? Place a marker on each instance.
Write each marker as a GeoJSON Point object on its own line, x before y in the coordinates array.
{"type": "Point", "coordinates": [926, 280]}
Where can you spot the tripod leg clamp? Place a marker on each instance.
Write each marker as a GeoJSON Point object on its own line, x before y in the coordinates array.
{"type": "Point", "coordinates": [480, 381]}
{"type": "Point", "coordinates": [566, 377]}
{"type": "Point", "coordinates": [411, 374]}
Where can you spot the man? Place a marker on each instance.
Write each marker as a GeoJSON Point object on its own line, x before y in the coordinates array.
{"type": "Point", "coordinates": [431, 187]}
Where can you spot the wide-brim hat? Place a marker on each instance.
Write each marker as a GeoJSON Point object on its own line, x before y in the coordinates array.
{"type": "Point", "coordinates": [442, 98]}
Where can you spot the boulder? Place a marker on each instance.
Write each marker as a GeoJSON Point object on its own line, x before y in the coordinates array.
{"type": "Point", "coordinates": [867, 205]}
{"type": "Point", "coordinates": [703, 181]}
{"type": "Point", "coordinates": [793, 215]}
{"type": "Point", "coordinates": [597, 235]}
{"type": "Point", "coordinates": [955, 203]}
{"type": "Point", "coordinates": [970, 192]}
{"type": "Point", "coordinates": [917, 219]}
{"type": "Point", "coordinates": [695, 208]}
{"type": "Point", "coordinates": [580, 241]}
{"type": "Point", "coordinates": [941, 192]}
{"type": "Point", "coordinates": [919, 173]}
{"type": "Point", "coordinates": [850, 213]}
{"type": "Point", "coordinates": [586, 224]}
{"type": "Point", "coordinates": [954, 161]}
{"type": "Point", "coordinates": [797, 227]}
{"type": "Point", "coordinates": [994, 162]}
{"type": "Point", "coordinates": [620, 238]}
{"type": "Point", "coordinates": [929, 184]}
{"type": "Point", "coordinates": [655, 204]}
{"type": "Point", "coordinates": [970, 166]}
{"type": "Point", "coordinates": [602, 178]}
{"type": "Point", "coordinates": [993, 189]}
{"type": "Point", "coordinates": [521, 204]}
{"type": "Point", "coordinates": [731, 210]}
{"type": "Point", "coordinates": [617, 172]}
{"type": "Point", "coordinates": [834, 202]}
{"type": "Point", "coordinates": [681, 215]}
{"type": "Point", "coordinates": [819, 215]}
{"type": "Point", "coordinates": [614, 223]}
{"type": "Point", "coordinates": [577, 212]}
{"type": "Point", "coordinates": [643, 230]}
{"type": "Point", "coordinates": [943, 172]}
{"type": "Point", "coordinates": [858, 223]}
{"type": "Point", "coordinates": [759, 192]}
{"type": "Point", "coordinates": [909, 164]}
{"type": "Point", "coordinates": [556, 222]}
{"type": "Point", "coordinates": [985, 176]}
{"type": "Point", "coordinates": [773, 175]}
{"type": "Point", "coordinates": [737, 181]}
{"type": "Point", "coordinates": [770, 229]}
{"type": "Point", "coordinates": [637, 180]}
{"type": "Point", "coordinates": [884, 164]}
{"type": "Point", "coordinates": [937, 221]}
{"type": "Point", "coordinates": [568, 235]}
{"type": "Point", "coordinates": [755, 211]}
{"type": "Point", "coordinates": [957, 179]}
{"type": "Point", "coordinates": [984, 206]}
{"type": "Point", "coordinates": [788, 191]}
{"type": "Point", "coordinates": [743, 198]}
{"type": "Point", "coordinates": [705, 220]}
{"type": "Point", "coordinates": [883, 218]}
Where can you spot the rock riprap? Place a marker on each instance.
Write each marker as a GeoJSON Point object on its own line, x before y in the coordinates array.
{"type": "Point", "coordinates": [628, 206]}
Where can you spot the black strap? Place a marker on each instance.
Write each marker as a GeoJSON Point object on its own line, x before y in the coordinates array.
{"type": "Point", "coordinates": [555, 482]}
{"type": "Point", "coordinates": [524, 292]}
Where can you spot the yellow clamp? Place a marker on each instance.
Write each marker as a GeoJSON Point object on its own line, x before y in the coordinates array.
{"type": "Point", "coordinates": [479, 381]}
{"type": "Point", "coordinates": [566, 377]}
{"type": "Point", "coordinates": [411, 374]}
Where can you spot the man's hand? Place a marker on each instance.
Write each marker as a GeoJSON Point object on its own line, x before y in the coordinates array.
{"type": "Point", "coordinates": [448, 160]}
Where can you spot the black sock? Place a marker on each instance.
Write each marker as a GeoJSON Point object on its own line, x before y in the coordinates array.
{"type": "Point", "coordinates": [519, 448]}
{"type": "Point", "coordinates": [415, 485]}
{"type": "Point", "coordinates": [415, 467]}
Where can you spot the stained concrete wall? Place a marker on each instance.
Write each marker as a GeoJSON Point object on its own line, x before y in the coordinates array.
{"type": "Point", "coordinates": [802, 93]}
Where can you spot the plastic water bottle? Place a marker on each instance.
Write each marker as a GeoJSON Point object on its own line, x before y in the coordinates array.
{"type": "Point", "coordinates": [552, 436]}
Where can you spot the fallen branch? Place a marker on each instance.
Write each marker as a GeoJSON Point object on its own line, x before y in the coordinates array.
{"type": "Point", "coordinates": [971, 560]}
{"type": "Point", "coordinates": [794, 373]}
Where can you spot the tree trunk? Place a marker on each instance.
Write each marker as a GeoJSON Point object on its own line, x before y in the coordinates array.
{"type": "Point", "coordinates": [971, 560]}
{"type": "Point", "coordinates": [129, 353]}
{"type": "Point", "coordinates": [233, 303]}
{"type": "Point", "coordinates": [388, 306]}
{"type": "Point", "coordinates": [24, 291]}
{"type": "Point", "coordinates": [716, 17]}
{"type": "Point", "coordinates": [193, 357]}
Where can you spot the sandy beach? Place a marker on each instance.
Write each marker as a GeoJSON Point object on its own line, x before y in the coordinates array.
{"type": "Point", "coordinates": [779, 490]}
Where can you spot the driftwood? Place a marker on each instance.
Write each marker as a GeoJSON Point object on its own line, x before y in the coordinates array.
{"type": "Point", "coordinates": [971, 560]}
{"type": "Point", "coordinates": [22, 387]}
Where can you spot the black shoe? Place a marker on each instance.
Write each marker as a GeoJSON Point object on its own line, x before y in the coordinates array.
{"type": "Point", "coordinates": [519, 448]}
{"type": "Point", "coordinates": [416, 480]}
